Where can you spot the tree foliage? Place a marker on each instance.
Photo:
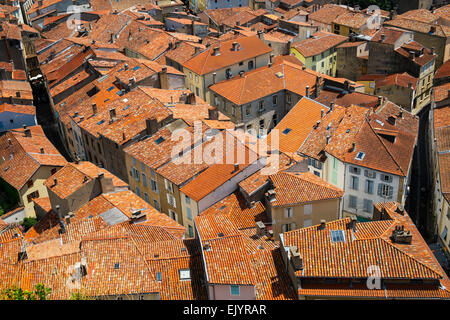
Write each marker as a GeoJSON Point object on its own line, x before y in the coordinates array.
{"type": "Point", "coordinates": [40, 292]}
{"type": "Point", "coordinates": [27, 223]}
{"type": "Point", "coordinates": [383, 4]}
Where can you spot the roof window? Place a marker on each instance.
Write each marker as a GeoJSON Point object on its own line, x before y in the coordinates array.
{"type": "Point", "coordinates": [337, 236]}
{"type": "Point", "coordinates": [287, 130]}
{"type": "Point", "coordinates": [185, 274]}
{"type": "Point", "coordinates": [159, 140]}
{"type": "Point", "coordinates": [360, 155]}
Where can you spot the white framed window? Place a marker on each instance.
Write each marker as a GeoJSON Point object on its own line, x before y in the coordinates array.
{"type": "Point", "coordinates": [171, 200]}
{"type": "Point", "coordinates": [168, 184]}
{"type": "Point", "coordinates": [185, 274]}
{"type": "Point", "coordinates": [352, 202]}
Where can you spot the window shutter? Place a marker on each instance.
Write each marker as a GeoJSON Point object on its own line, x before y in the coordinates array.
{"type": "Point", "coordinates": [380, 189]}
{"type": "Point", "coordinates": [391, 191]}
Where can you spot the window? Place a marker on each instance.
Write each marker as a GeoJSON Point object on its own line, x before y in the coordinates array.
{"type": "Point", "coordinates": [154, 186]}
{"type": "Point", "coordinates": [307, 223]}
{"type": "Point", "coordinates": [354, 170]}
{"type": "Point", "coordinates": [288, 227]}
{"type": "Point", "coordinates": [29, 183]}
{"type": "Point", "coordinates": [196, 78]}
{"type": "Point", "coordinates": [185, 274]}
{"type": "Point", "coordinates": [261, 105]}
{"type": "Point", "coordinates": [288, 98]}
{"type": "Point", "coordinates": [233, 110]}
{"type": "Point", "coordinates": [385, 190]}
{"type": "Point", "coordinates": [369, 186]}
{"type": "Point", "coordinates": [191, 231]}
{"type": "Point", "coordinates": [144, 179]}
{"type": "Point", "coordinates": [173, 215]}
{"type": "Point", "coordinates": [171, 200]}
{"type": "Point", "coordinates": [352, 202]}
{"type": "Point", "coordinates": [275, 100]}
{"type": "Point", "coordinates": [354, 182]}
{"type": "Point", "coordinates": [250, 65]}
{"type": "Point", "coordinates": [187, 199]}
{"type": "Point", "coordinates": [146, 197]}
{"type": "Point", "coordinates": [234, 290]}
{"type": "Point", "coordinates": [168, 184]}
{"type": "Point", "coordinates": [189, 213]}
{"type": "Point", "coordinates": [307, 209]}
{"type": "Point", "coordinates": [156, 204]}
{"type": "Point", "coordinates": [228, 73]}
{"type": "Point", "coordinates": [274, 119]}
{"type": "Point", "coordinates": [288, 212]}
{"type": "Point", "coordinates": [370, 174]}
{"type": "Point", "coordinates": [197, 91]}
{"type": "Point", "coordinates": [367, 205]}
{"type": "Point", "coordinates": [386, 178]}
{"type": "Point", "coordinates": [360, 156]}
{"type": "Point", "coordinates": [248, 109]}
{"type": "Point", "coordinates": [337, 236]}
{"type": "Point", "coordinates": [138, 191]}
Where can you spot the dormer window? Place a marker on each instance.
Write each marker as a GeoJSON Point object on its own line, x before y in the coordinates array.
{"type": "Point", "coordinates": [360, 156]}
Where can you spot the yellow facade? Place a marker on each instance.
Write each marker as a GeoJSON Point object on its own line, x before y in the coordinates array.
{"type": "Point", "coordinates": [325, 62]}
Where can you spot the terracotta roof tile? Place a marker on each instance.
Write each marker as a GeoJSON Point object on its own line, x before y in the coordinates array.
{"type": "Point", "coordinates": [205, 62]}
{"type": "Point", "coordinates": [318, 42]}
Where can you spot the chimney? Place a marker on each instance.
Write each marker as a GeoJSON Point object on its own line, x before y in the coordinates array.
{"type": "Point", "coordinates": [260, 35]}
{"type": "Point", "coordinates": [164, 78]}
{"type": "Point", "coordinates": [216, 51]}
{"type": "Point", "coordinates": [382, 37]}
{"type": "Point", "coordinates": [42, 150]}
{"type": "Point", "coordinates": [137, 214]}
{"type": "Point", "coordinates": [241, 73]}
{"type": "Point", "coordinates": [213, 114]}
{"type": "Point", "coordinates": [214, 77]}
{"type": "Point", "coordinates": [352, 224]}
{"type": "Point", "coordinates": [9, 142]}
{"type": "Point", "coordinates": [432, 29]}
{"type": "Point", "coordinates": [22, 255]}
{"type": "Point", "coordinates": [307, 91]}
{"type": "Point", "coordinates": [347, 85]}
{"type": "Point", "coordinates": [353, 147]}
{"type": "Point", "coordinates": [411, 54]}
{"type": "Point", "coordinates": [261, 229]}
{"type": "Point", "coordinates": [235, 46]}
{"type": "Point", "coordinates": [151, 125]}
{"type": "Point", "coordinates": [105, 183]}
{"type": "Point", "coordinates": [271, 58]}
{"type": "Point", "coordinates": [322, 112]}
{"type": "Point", "coordinates": [62, 226]}
{"type": "Point", "coordinates": [318, 81]}
{"type": "Point", "coordinates": [112, 114]}
{"type": "Point", "coordinates": [322, 224]}
{"type": "Point", "coordinates": [303, 67]}
{"type": "Point", "coordinates": [55, 182]}
{"type": "Point", "coordinates": [331, 105]}
{"type": "Point", "coordinates": [94, 109]}
{"type": "Point", "coordinates": [111, 39]}
{"type": "Point", "coordinates": [432, 50]}
{"type": "Point", "coordinates": [236, 167]}
{"type": "Point", "coordinates": [27, 132]}
{"type": "Point", "coordinates": [125, 66]}
{"type": "Point", "coordinates": [296, 258]}
{"type": "Point", "coordinates": [400, 235]}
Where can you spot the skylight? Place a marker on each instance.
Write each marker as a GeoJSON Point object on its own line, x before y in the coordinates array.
{"type": "Point", "coordinates": [379, 122]}
{"type": "Point", "coordinates": [100, 122]}
{"type": "Point", "coordinates": [159, 140]}
{"type": "Point", "coordinates": [337, 236]}
{"type": "Point", "coordinates": [360, 155]}
{"type": "Point", "coordinates": [117, 265]}
{"type": "Point", "coordinates": [110, 88]}
{"type": "Point", "coordinates": [286, 131]}
{"type": "Point", "coordinates": [135, 68]}
{"type": "Point", "coordinates": [185, 274]}
{"type": "Point", "coordinates": [125, 108]}
{"type": "Point", "coordinates": [158, 276]}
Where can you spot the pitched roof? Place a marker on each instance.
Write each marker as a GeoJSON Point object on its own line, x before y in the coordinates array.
{"type": "Point", "coordinates": [292, 188]}
{"type": "Point", "coordinates": [295, 127]}
{"type": "Point", "coordinates": [351, 19]}
{"type": "Point", "coordinates": [369, 244]}
{"type": "Point", "coordinates": [419, 26]}
{"type": "Point", "coordinates": [24, 156]}
{"type": "Point", "coordinates": [404, 80]}
{"type": "Point", "coordinates": [319, 42]}
{"type": "Point", "coordinates": [265, 81]}
{"type": "Point", "coordinates": [73, 176]}
{"type": "Point", "coordinates": [206, 62]}
{"type": "Point", "coordinates": [327, 13]}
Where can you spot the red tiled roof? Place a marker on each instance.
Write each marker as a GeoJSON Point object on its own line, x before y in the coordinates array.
{"type": "Point", "coordinates": [302, 187]}
{"type": "Point", "coordinates": [206, 62]}
{"type": "Point", "coordinates": [319, 42]}
{"type": "Point", "coordinates": [23, 157]}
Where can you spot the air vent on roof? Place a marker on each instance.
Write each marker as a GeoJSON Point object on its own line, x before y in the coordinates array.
{"type": "Point", "coordinates": [220, 234]}
{"type": "Point", "coordinates": [279, 74]}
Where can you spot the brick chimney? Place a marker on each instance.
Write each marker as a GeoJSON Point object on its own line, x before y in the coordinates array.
{"type": "Point", "coordinates": [164, 78]}
{"type": "Point", "coordinates": [112, 115]}
{"type": "Point", "coordinates": [216, 51]}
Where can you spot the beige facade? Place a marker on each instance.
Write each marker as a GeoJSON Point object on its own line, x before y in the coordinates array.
{"type": "Point", "coordinates": [302, 215]}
